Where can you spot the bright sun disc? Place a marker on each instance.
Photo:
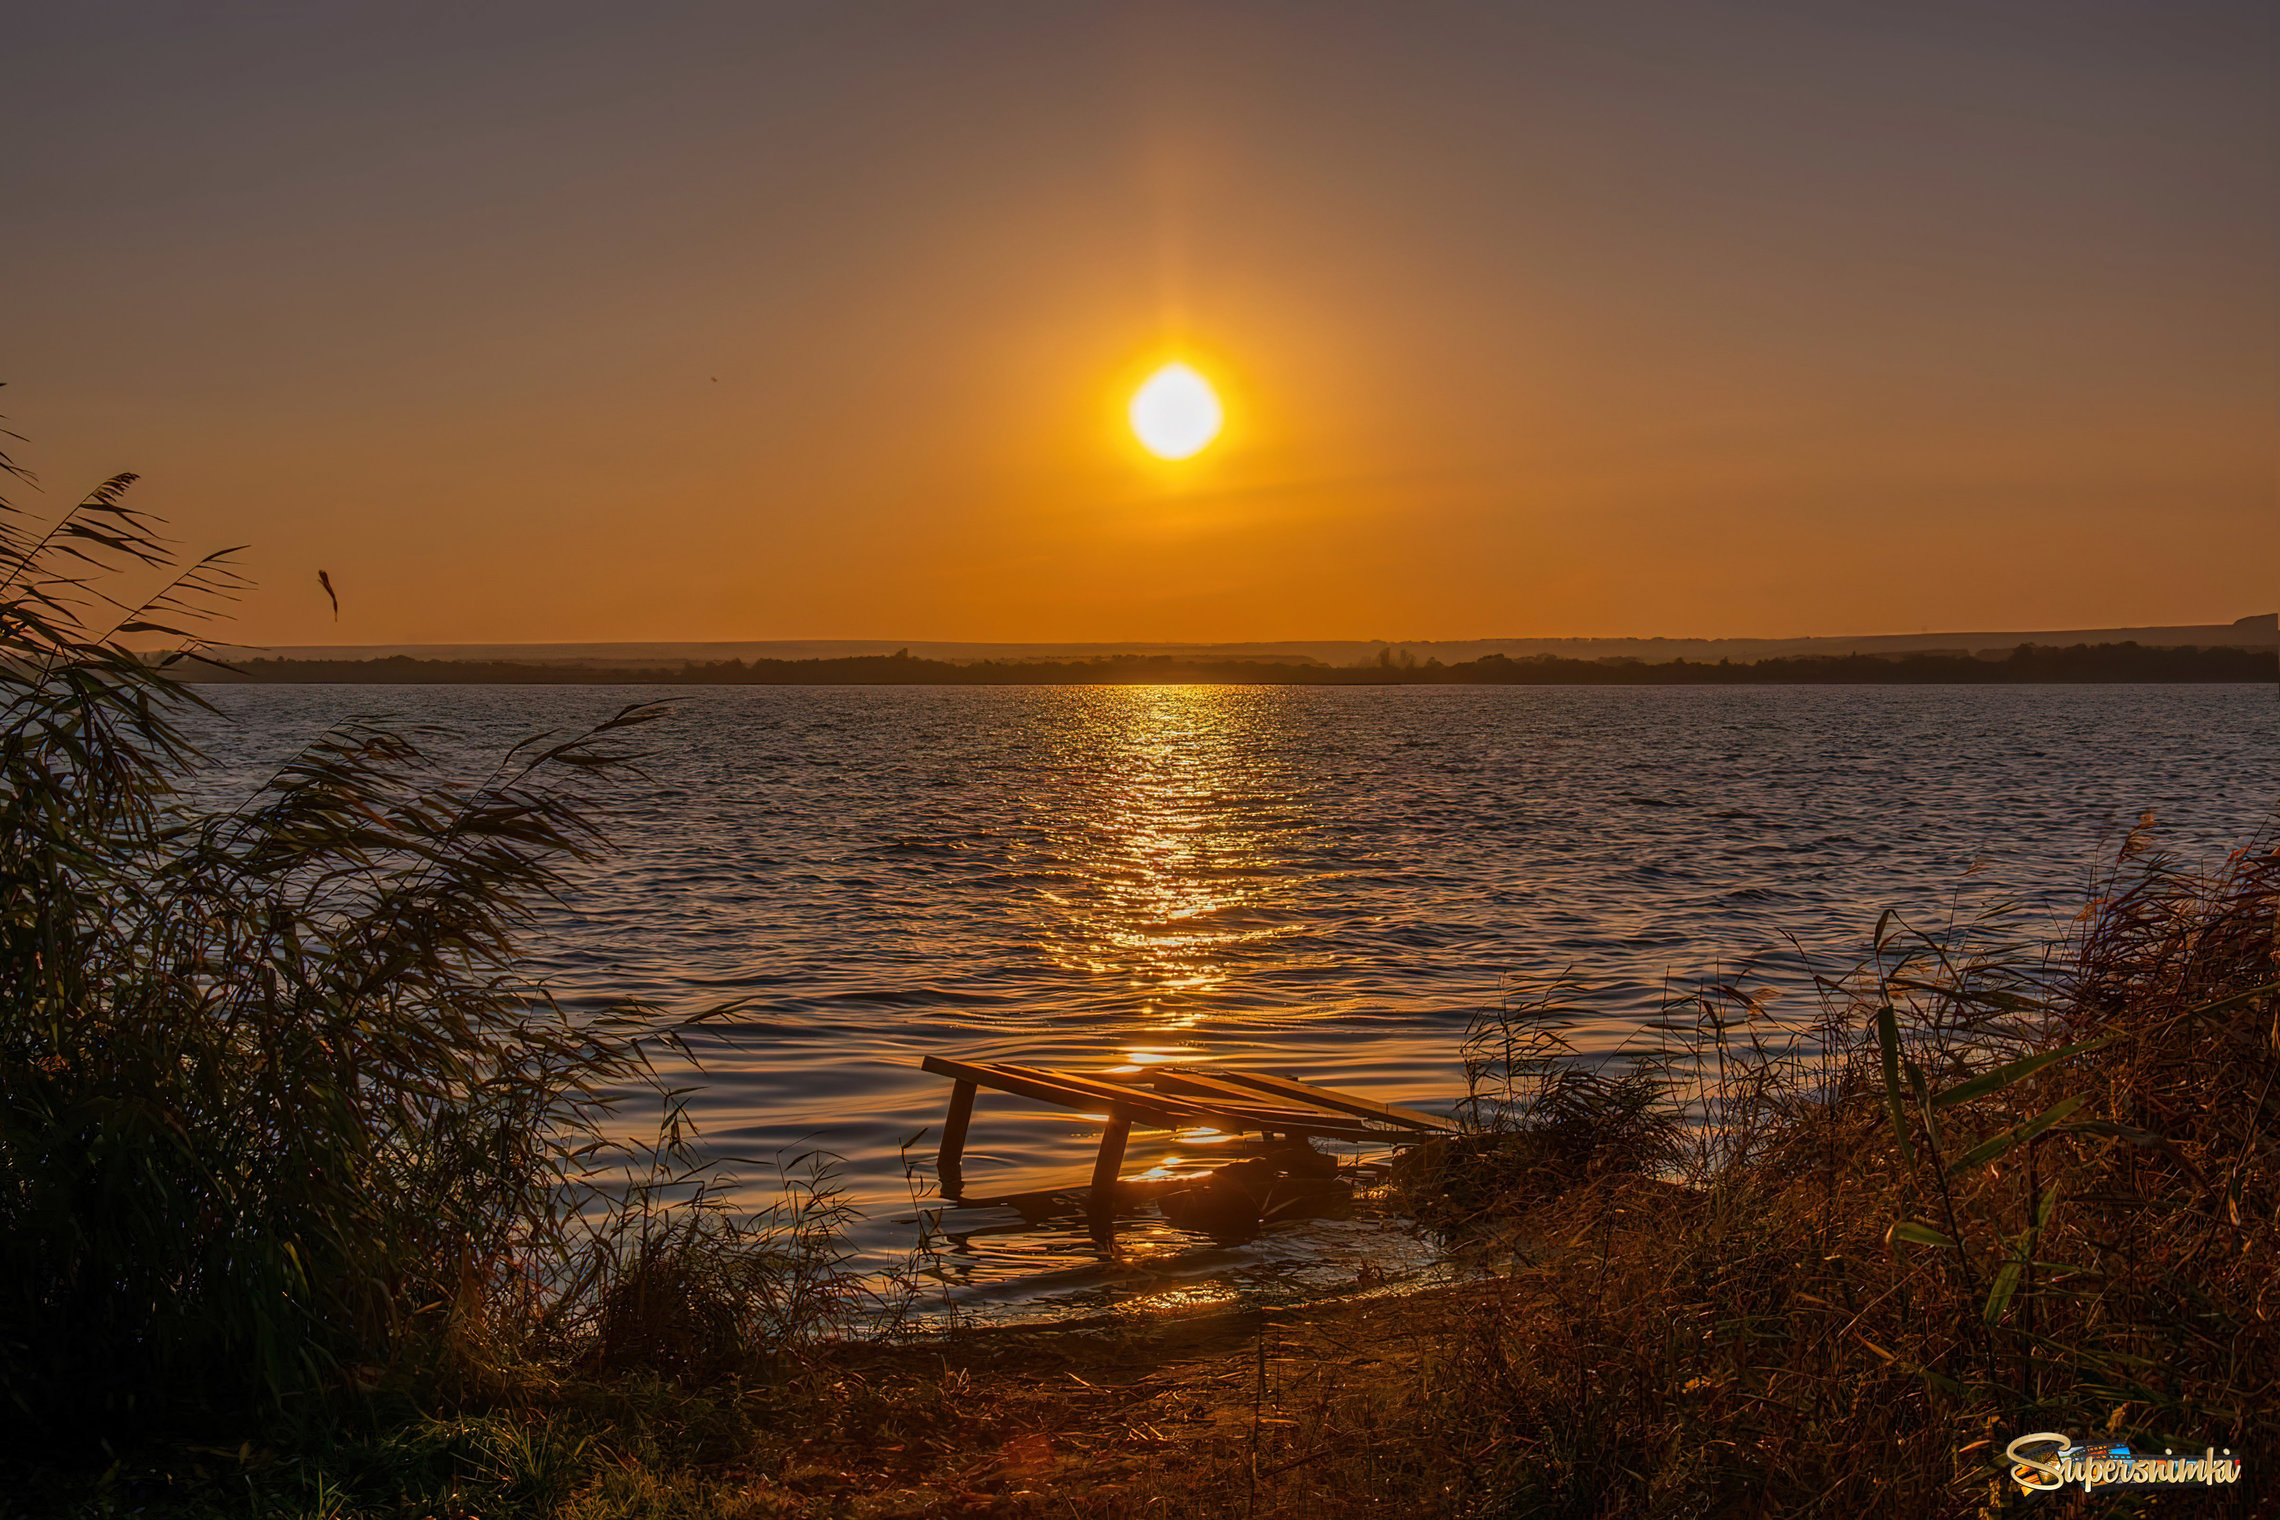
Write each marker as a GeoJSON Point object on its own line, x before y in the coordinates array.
{"type": "Point", "coordinates": [1176, 413]}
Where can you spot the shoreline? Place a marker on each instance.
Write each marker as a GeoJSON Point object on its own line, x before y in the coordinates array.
{"type": "Point", "coordinates": [2028, 664]}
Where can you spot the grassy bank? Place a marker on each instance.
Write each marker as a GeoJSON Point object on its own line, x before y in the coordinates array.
{"type": "Point", "coordinates": [1313, 1411]}
{"type": "Point", "coordinates": [1988, 1187]}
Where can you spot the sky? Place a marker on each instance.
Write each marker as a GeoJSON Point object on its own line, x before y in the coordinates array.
{"type": "Point", "coordinates": [567, 321]}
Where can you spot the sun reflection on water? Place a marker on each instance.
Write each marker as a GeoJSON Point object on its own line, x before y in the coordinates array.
{"type": "Point", "coordinates": [1177, 859]}
{"type": "Point", "coordinates": [1175, 1300]}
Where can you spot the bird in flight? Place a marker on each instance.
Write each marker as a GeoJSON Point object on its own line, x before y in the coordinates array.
{"type": "Point", "coordinates": [325, 581]}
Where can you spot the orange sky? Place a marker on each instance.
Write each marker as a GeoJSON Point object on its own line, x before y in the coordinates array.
{"type": "Point", "coordinates": [1623, 318]}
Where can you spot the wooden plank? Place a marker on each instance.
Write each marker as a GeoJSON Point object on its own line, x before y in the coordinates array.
{"type": "Point", "coordinates": [1099, 1087]}
{"type": "Point", "coordinates": [1401, 1118]}
{"type": "Point", "coordinates": [1189, 1082]}
{"type": "Point", "coordinates": [1312, 1120]}
{"type": "Point", "coordinates": [1163, 1113]}
{"type": "Point", "coordinates": [1110, 1159]}
{"type": "Point", "coordinates": [1222, 1098]}
{"type": "Point", "coordinates": [1246, 1113]}
{"type": "Point", "coordinates": [954, 1130]}
{"type": "Point", "coordinates": [1093, 1091]}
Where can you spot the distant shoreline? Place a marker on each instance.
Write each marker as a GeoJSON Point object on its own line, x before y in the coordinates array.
{"type": "Point", "coordinates": [2261, 631]}
{"type": "Point", "coordinates": [2028, 664]}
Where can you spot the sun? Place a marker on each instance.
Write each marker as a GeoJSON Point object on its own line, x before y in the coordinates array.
{"type": "Point", "coordinates": [1176, 413]}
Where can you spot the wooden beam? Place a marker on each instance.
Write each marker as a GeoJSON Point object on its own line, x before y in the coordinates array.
{"type": "Point", "coordinates": [1229, 1106]}
{"type": "Point", "coordinates": [1046, 1087]}
{"type": "Point", "coordinates": [1248, 1110]}
{"type": "Point", "coordinates": [1307, 1092]}
{"type": "Point", "coordinates": [1098, 1089]}
{"type": "Point", "coordinates": [954, 1135]}
{"type": "Point", "coordinates": [1188, 1080]}
{"type": "Point", "coordinates": [1245, 1112]}
{"type": "Point", "coordinates": [1110, 1159]}
{"type": "Point", "coordinates": [1314, 1119]}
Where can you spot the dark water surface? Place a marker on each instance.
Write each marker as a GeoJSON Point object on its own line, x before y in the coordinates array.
{"type": "Point", "coordinates": [1324, 882]}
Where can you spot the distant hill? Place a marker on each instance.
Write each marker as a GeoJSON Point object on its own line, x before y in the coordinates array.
{"type": "Point", "coordinates": [2258, 632]}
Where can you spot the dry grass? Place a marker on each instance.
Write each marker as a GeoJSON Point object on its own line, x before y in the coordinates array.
{"type": "Point", "coordinates": [1988, 1190]}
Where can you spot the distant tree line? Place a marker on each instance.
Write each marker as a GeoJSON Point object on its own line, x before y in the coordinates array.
{"type": "Point", "coordinates": [2027, 663]}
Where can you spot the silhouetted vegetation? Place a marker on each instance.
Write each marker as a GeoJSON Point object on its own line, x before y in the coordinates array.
{"type": "Point", "coordinates": [1986, 1187]}
{"type": "Point", "coordinates": [2027, 663]}
{"type": "Point", "coordinates": [281, 1118]}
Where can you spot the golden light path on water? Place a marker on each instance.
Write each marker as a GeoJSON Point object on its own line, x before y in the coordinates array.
{"type": "Point", "coordinates": [1173, 875]}
{"type": "Point", "coordinates": [1324, 883]}
{"type": "Point", "coordinates": [1174, 890]}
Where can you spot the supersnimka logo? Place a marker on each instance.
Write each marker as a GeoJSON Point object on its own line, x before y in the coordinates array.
{"type": "Point", "coordinates": [2048, 1460]}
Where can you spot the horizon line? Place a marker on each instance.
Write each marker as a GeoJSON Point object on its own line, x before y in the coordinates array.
{"type": "Point", "coordinates": [2254, 623]}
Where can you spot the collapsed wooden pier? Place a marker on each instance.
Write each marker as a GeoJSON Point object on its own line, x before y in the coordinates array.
{"type": "Point", "coordinates": [1173, 1097]}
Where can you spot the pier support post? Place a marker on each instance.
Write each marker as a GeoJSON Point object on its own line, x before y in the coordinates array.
{"type": "Point", "coordinates": [1111, 1157]}
{"type": "Point", "coordinates": [946, 1169]}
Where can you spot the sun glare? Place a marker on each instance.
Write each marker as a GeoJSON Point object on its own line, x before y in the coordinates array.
{"type": "Point", "coordinates": [1176, 413]}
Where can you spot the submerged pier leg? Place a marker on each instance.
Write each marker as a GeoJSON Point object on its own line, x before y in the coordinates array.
{"type": "Point", "coordinates": [1111, 1157]}
{"type": "Point", "coordinates": [946, 1169]}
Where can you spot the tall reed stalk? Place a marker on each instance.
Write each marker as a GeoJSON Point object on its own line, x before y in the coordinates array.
{"type": "Point", "coordinates": [279, 1111]}
{"type": "Point", "coordinates": [1988, 1185]}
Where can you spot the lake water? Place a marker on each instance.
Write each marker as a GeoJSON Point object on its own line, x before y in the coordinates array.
{"type": "Point", "coordinates": [1321, 882]}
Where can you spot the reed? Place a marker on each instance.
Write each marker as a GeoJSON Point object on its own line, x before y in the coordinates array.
{"type": "Point", "coordinates": [1987, 1186]}
{"type": "Point", "coordinates": [280, 1114]}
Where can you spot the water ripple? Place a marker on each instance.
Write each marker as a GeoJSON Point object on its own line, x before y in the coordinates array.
{"type": "Point", "coordinates": [1321, 881]}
